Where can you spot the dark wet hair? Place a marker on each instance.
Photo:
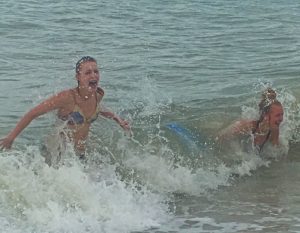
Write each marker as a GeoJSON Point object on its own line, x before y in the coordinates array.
{"type": "Point", "coordinates": [268, 98]}
{"type": "Point", "coordinates": [83, 60]}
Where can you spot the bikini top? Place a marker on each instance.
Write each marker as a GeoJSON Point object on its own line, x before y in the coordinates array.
{"type": "Point", "coordinates": [76, 117]}
{"type": "Point", "coordinates": [266, 139]}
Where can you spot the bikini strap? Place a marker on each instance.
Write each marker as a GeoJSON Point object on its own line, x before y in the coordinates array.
{"type": "Point", "coordinates": [256, 127]}
{"type": "Point", "coordinates": [100, 91]}
{"type": "Point", "coordinates": [98, 96]}
{"type": "Point", "coordinates": [267, 137]}
{"type": "Point", "coordinates": [264, 142]}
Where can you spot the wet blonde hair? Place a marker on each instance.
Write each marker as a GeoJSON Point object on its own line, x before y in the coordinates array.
{"type": "Point", "coordinates": [268, 98]}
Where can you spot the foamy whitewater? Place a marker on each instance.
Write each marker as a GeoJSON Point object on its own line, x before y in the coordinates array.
{"type": "Point", "coordinates": [179, 72]}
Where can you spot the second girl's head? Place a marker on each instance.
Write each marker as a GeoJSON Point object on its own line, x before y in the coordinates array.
{"type": "Point", "coordinates": [87, 73]}
{"type": "Point", "coordinates": [270, 108]}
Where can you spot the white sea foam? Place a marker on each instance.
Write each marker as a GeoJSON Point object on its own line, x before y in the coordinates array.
{"type": "Point", "coordinates": [38, 198]}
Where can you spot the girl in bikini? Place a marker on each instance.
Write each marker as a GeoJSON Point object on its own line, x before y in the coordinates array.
{"type": "Point", "coordinates": [77, 107]}
{"type": "Point", "coordinates": [263, 130]}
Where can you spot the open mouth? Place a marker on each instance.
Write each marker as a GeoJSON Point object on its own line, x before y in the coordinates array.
{"type": "Point", "coordinates": [93, 83]}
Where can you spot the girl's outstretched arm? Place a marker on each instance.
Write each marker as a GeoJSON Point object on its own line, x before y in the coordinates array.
{"type": "Point", "coordinates": [48, 105]}
{"type": "Point", "coordinates": [110, 115]}
{"type": "Point", "coordinates": [237, 128]}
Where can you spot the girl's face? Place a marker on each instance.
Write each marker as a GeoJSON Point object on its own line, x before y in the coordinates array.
{"type": "Point", "coordinates": [275, 116]}
{"type": "Point", "coordinates": [88, 76]}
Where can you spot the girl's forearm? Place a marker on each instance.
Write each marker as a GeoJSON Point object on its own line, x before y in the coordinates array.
{"type": "Point", "coordinates": [21, 125]}
{"type": "Point", "coordinates": [111, 115]}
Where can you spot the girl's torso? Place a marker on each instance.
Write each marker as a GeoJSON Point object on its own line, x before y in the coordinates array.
{"type": "Point", "coordinates": [78, 114]}
{"type": "Point", "coordinates": [260, 136]}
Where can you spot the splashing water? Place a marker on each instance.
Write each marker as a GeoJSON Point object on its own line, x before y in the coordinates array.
{"type": "Point", "coordinates": [35, 197]}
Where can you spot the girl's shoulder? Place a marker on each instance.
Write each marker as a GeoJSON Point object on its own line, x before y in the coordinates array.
{"type": "Point", "coordinates": [67, 93]}
{"type": "Point", "coordinates": [242, 126]}
{"type": "Point", "coordinates": [100, 91]}
{"type": "Point", "coordinates": [65, 96]}
{"type": "Point", "coordinates": [245, 124]}
{"type": "Point", "coordinates": [99, 94]}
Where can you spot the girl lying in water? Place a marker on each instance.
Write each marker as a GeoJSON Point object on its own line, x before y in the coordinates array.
{"type": "Point", "coordinates": [263, 130]}
{"type": "Point", "coordinates": [77, 107]}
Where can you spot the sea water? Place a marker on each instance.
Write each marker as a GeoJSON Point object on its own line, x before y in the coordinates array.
{"type": "Point", "coordinates": [198, 64]}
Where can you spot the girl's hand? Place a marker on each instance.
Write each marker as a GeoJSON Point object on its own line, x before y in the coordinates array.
{"type": "Point", "coordinates": [6, 143]}
{"type": "Point", "coordinates": [125, 125]}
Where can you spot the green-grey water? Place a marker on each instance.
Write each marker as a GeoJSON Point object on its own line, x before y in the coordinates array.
{"type": "Point", "coordinates": [198, 64]}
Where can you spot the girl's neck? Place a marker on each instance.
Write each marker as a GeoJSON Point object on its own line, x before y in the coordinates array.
{"type": "Point", "coordinates": [83, 93]}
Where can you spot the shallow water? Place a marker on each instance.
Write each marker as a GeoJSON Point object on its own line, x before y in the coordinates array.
{"type": "Point", "coordinates": [199, 64]}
